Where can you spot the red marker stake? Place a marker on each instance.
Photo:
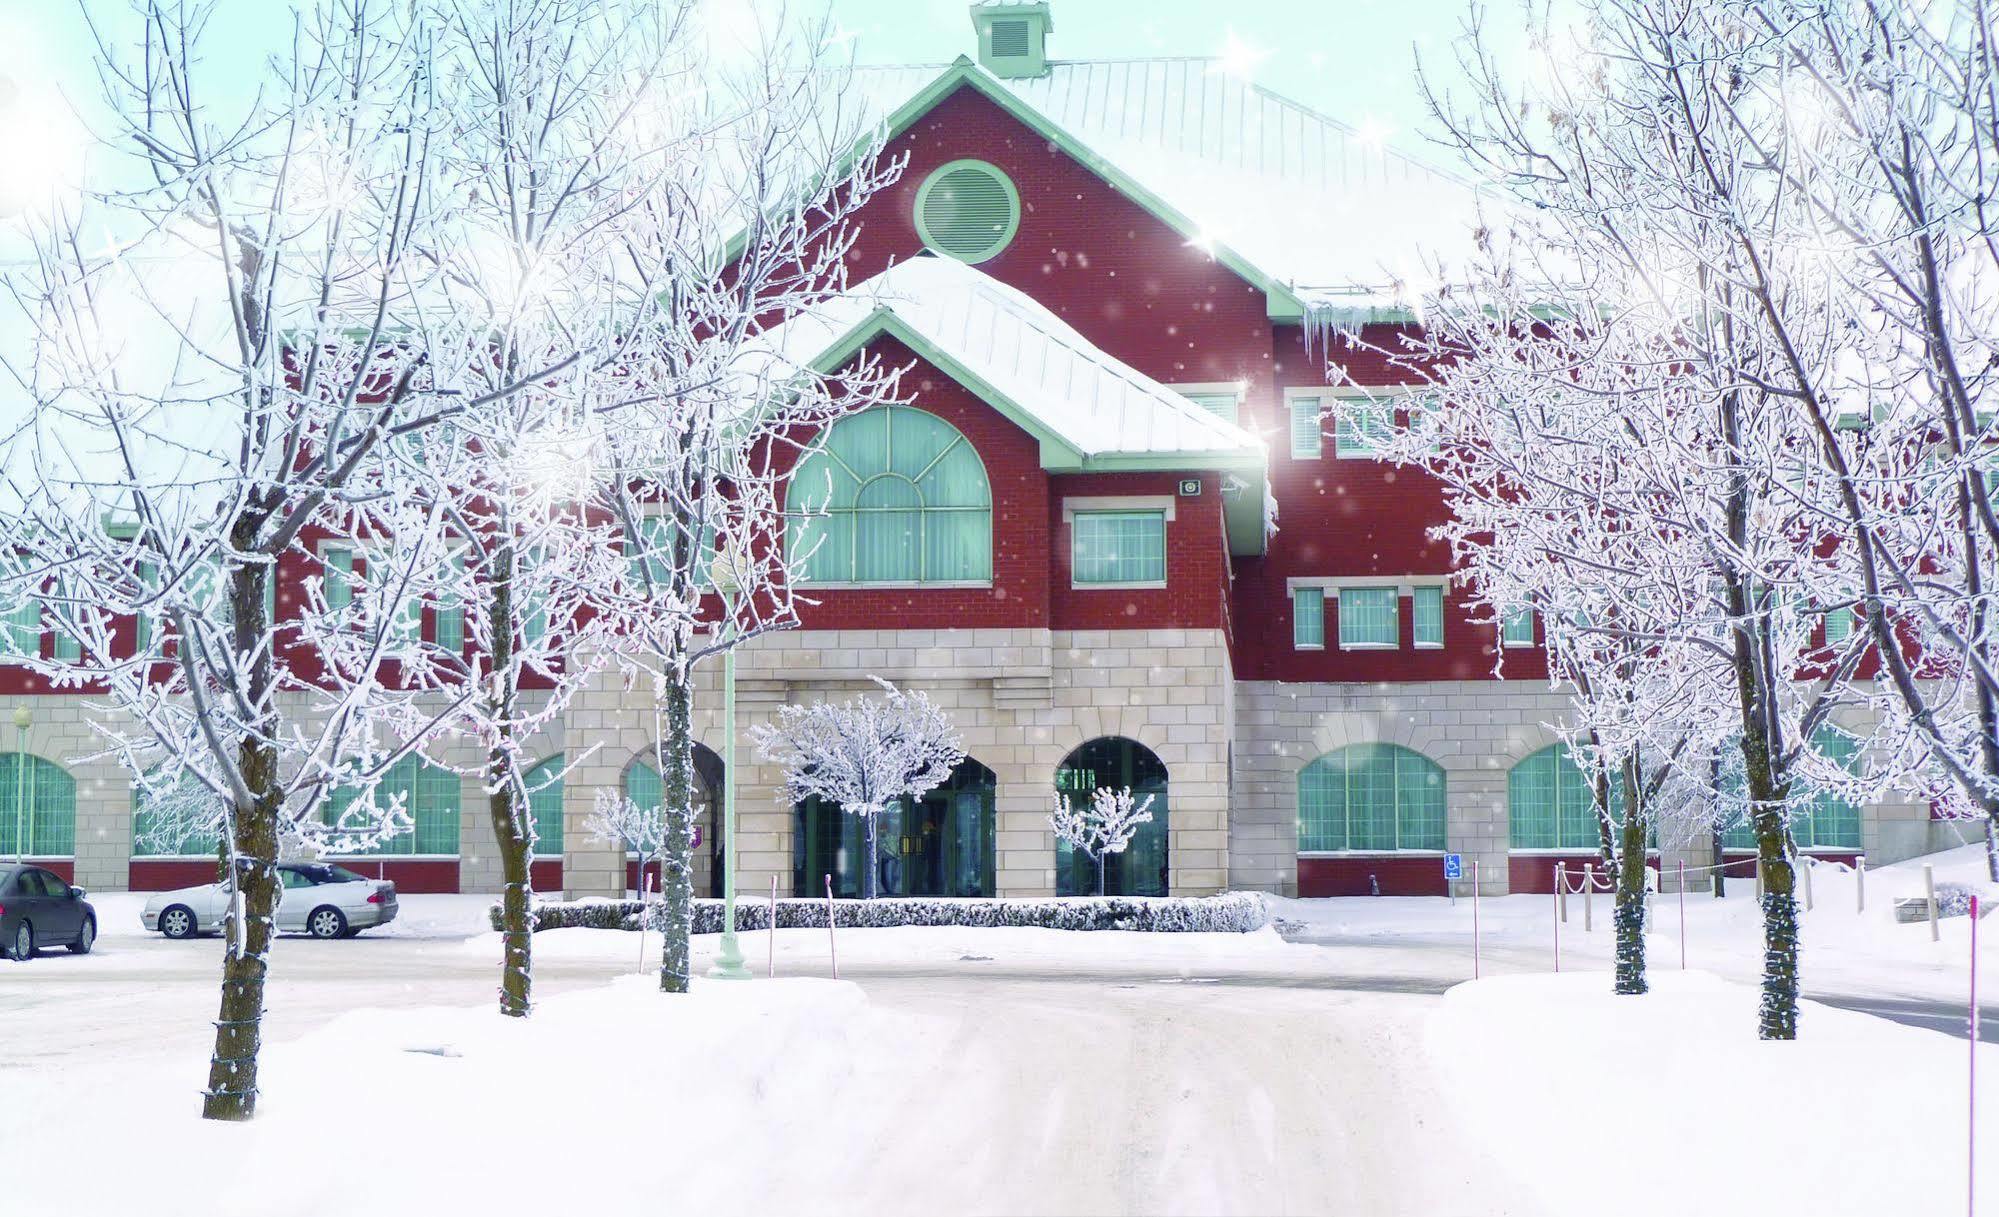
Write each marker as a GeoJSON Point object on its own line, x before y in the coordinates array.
{"type": "Point", "coordinates": [1971, 1082]}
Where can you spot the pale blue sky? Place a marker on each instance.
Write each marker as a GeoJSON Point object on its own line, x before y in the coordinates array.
{"type": "Point", "coordinates": [1351, 58]}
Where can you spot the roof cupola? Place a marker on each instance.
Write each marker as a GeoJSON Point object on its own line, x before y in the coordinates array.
{"type": "Point", "coordinates": [1013, 37]}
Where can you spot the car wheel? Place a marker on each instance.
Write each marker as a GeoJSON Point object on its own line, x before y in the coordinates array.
{"type": "Point", "coordinates": [24, 941]}
{"type": "Point", "coordinates": [85, 937]}
{"type": "Point", "coordinates": [177, 921]}
{"type": "Point", "coordinates": [326, 922]}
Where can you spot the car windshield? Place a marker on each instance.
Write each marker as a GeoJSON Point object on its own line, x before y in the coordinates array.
{"type": "Point", "coordinates": [340, 874]}
{"type": "Point", "coordinates": [325, 873]}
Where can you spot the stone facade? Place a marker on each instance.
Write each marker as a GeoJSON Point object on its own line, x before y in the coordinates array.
{"type": "Point", "coordinates": [1022, 699]}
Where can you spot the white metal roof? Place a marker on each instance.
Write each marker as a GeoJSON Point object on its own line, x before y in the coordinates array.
{"type": "Point", "coordinates": [1341, 218]}
{"type": "Point", "coordinates": [1005, 339]}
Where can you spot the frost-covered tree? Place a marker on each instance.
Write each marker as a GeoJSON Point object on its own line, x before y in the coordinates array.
{"type": "Point", "coordinates": [1620, 379]}
{"type": "Point", "coordinates": [223, 344]}
{"type": "Point", "coordinates": [864, 756]}
{"type": "Point", "coordinates": [555, 152]}
{"type": "Point", "coordinates": [1101, 826]}
{"type": "Point", "coordinates": [618, 819]}
{"type": "Point", "coordinates": [750, 228]}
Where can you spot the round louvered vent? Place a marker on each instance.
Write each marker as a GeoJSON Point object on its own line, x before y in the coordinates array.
{"type": "Point", "coordinates": [968, 210]}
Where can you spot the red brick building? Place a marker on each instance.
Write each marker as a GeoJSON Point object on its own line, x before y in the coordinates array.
{"type": "Point", "coordinates": [1120, 529]}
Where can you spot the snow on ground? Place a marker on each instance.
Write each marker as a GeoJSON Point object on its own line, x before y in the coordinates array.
{"type": "Point", "coordinates": [1845, 950]}
{"type": "Point", "coordinates": [1006, 1071]}
{"type": "Point", "coordinates": [1859, 1115]}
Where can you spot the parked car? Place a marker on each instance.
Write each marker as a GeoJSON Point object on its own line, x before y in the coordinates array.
{"type": "Point", "coordinates": [314, 898]}
{"type": "Point", "coordinates": [38, 909]}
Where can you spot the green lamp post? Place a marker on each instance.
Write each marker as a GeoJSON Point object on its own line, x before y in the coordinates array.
{"type": "Point", "coordinates": [23, 719]}
{"type": "Point", "coordinates": [729, 963]}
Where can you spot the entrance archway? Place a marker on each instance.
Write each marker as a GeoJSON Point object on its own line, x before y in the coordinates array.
{"type": "Point", "coordinates": [939, 845]}
{"type": "Point", "coordinates": [1116, 762]}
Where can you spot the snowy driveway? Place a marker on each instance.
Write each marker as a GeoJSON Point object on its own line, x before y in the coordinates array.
{"type": "Point", "coordinates": [1049, 1073]}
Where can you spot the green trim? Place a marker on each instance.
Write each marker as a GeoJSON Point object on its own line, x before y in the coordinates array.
{"type": "Point", "coordinates": [1033, 59]}
{"type": "Point", "coordinates": [992, 248]}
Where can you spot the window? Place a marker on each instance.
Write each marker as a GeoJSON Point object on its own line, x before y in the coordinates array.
{"type": "Point", "coordinates": [894, 495]}
{"type": "Point", "coordinates": [655, 557]}
{"type": "Point", "coordinates": [1517, 628]}
{"type": "Point", "coordinates": [338, 569]}
{"type": "Point", "coordinates": [1427, 617]}
{"type": "Point", "coordinates": [21, 630]}
{"type": "Point", "coordinates": [430, 798]}
{"type": "Point", "coordinates": [1119, 547]}
{"type": "Point", "coordinates": [1308, 618]}
{"type": "Point", "coordinates": [1307, 440]}
{"type": "Point", "coordinates": [1838, 626]}
{"type": "Point", "coordinates": [967, 210]}
{"type": "Point", "coordinates": [142, 619]}
{"type": "Point", "coordinates": [39, 800]}
{"type": "Point", "coordinates": [1822, 821]}
{"type": "Point", "coordinates": [1371, 797]}
{"type": "Point", "coordinates": [1361, 426]}
{"type": "Point", "coordinates": [1224, 401]}
{"type": "Point", "coordinates": [1549, 803]}
{"type": "Point", "coordinates": [544, 785]}
{"type": "Point", "coordinates": [448, 615]}
{"type": "Point", "coordinates": [1367, 617]}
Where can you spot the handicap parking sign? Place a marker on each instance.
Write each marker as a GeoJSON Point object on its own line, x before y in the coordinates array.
{"type": "Point", "coordinates": [1454, 866]}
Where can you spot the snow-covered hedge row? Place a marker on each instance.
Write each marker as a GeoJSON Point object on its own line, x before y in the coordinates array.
{"type": "Point", "coordinates": [1230, 913]}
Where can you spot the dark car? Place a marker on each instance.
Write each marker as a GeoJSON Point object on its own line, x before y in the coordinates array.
{"type": "Point", "coordinates": [38, 909]}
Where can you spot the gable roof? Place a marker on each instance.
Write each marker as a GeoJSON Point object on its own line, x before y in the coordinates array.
{"type": "Point", "coordinates": [1327, 221]}
{"type": "Point", "coordinates": [1087, 409]}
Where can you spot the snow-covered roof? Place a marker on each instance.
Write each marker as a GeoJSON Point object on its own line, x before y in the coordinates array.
{"type": "Point", "coordinates": [1342, 220]}
{"type": "Point", "coordinates": [1088, 409]}
{"type": "Point", "coordinates": [1010, 344]}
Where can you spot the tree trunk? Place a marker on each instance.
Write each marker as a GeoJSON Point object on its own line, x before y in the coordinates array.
{"type": "Point", "coordinates": [1778, 1014]}
{"type": "Point", "coordinates": [676, 865]}
{"type": "Point", "coordinates": [1992, 846]}
{"type": "Point", "coordinates": [871, 876]}
{"type": "Point", "coordinates": [509, 818]}
{"type": "Point", "coordinates": [1102, 859]}
{"type": "Point", "coordinates": [232, 1066]}
{"type": "Point", "coordinates": [1629, 915]}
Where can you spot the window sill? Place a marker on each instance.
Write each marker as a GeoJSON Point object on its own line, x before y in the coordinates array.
{"type": "Point", "coordinates": [1308, 646]}
{"type": "Point", "coordinates": [1115, 587]}
{"type": "Point", "coordinates": [1371, 853]}
{"type": "Point", "coordinates": [878, 587]}
{"type": "Point", "coordinates": [1427, 646]}
{"type": "Point", "coordinates": [1370, 646]}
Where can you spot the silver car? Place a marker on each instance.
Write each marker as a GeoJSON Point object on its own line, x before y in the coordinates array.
{"type": "Point", "coordinates": [314, 898]}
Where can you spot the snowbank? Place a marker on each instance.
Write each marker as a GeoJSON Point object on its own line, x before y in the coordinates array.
{"type": "Point", "coordinates": [434, 1110]}
{"type": "Point", "coordinates": [1859, 1115]}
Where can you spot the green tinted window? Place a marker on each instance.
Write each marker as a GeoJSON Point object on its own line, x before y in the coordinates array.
{"type": "Point", "coordinates": [1307, 439]}
{"type": "Point", "coordinates": [1367, 617]}
{"type": "Point", "coordinates": [544, 785]}
{"type": "Point", "coordinates": [1427, 617]}
{"type": "Point", "coordinates": [1308, 617]}
{"type": "Point", "coordinates": [429, 796]}
{"type": "Point", "coordinates": [1119, 546]}
{"type": "Point", "coordinates": [37, 808]}
{"type": "Point", "coordinates": [1371, 797]}
{"type": "Point", "coordinates": [894, 495]}
{"type": "Point", "coordinates": [1549, 803]}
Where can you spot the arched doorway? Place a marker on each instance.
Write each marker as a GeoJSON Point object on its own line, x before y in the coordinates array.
{"type": "Point", "coordinates": [644, 786]}
{"type": "Point", "coordinates": [1115, 762]}
{"type": "Point", "coordinates": [939, 845]}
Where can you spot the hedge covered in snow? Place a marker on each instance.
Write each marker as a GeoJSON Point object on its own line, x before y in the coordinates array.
{"type": "Point", "coordinates": [1229, 913]}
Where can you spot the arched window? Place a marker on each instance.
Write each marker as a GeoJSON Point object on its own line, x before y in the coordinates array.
{"type": "Point", "coordinates": [939, 845]}
{"type": "Point", "coordinates": [1371, 797]}
{"type": "Point", "coordinates": [1824, 821]}
{"type": "Point", "coordinates": [1549, 803]}
{"type": "Point", "coordinates": [1115, 762]}
{"type": "Point", "coordinates": [893, 495]}
{"type": "Point", "coordinates": [37, 807]}
{"type": "Point", "coordinates": [544, 783]}
{"type": "Point", "coordinates": [644, 785]}
{"type": "Point", "coordinates": [430, 797]}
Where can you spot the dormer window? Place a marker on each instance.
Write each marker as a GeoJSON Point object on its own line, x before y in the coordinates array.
{"type": "Point", "coordinates": [1013, 38]}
